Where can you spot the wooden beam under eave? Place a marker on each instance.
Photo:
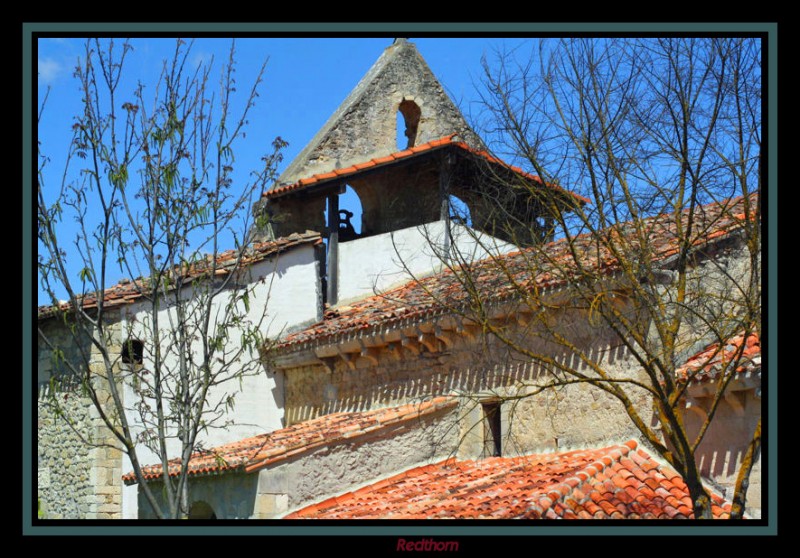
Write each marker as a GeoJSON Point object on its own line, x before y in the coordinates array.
{"type": "Point", "coordinates": [333, 248]}
{"type": "Point", "coordinates": [294, 360]}
{"type": "Point", "coordinates": [327, 351]}
{"type": "Point", "coordinates": [445, 337]}
{"type": "Point", "coordinates": [742, 382]}
{"type": "Point", "coordinates": [411, 344]}
{"type": "Point", "coordinates": [395, 349]}
{"type": "Point", "coordinates": [349, 359]}
{"type": "Point", "coordinates": [371, 354]}
{"type": "Point", "coordinates": [429, 340]}
{"type": "Point", "coordinates": [329, 363]}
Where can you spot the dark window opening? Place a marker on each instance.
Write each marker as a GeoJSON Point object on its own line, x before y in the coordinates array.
{"type": "Point", "coordinates": [133, 352]}
{"type": "Point", "coordinates": [492, 429]}
{"type": "Point", "coordinates": [201, 510]}
{"type": "Point", "coordinates": [408, 114]}
{"type": "Point", "coordinates": [321, 253]}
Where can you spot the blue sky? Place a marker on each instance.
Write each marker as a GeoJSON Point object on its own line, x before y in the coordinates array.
{"type": "Point", "coordinates": [305, 81]}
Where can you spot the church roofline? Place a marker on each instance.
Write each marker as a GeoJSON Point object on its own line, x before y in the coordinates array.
{"type": "Point", "coordinates": [363, 126]}
{"type": "Point", "coordinates": [420, 300]}
{"type": "Point", "coordinates": [352, 98]}
{"type": "Point", "coordinates": [404, 155]}
{"type": "Point", "coordinates": [128, 291]}
{"type": "Point", "coordinates": [565, 485]}
{"type": "Point", "coordinates": [253, 454]}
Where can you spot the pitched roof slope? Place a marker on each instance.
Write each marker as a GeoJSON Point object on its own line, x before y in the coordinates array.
{"type": "Point", "coordinates": [617, 482]}
{"type": "Point", "coordinates": [447, 141]}
{"type": "Point", "coordinates": [501, 277]}
{"type": "Point", "coordinates": [251, 454]}
{"type": "Point", "coordinates": [127, 291]}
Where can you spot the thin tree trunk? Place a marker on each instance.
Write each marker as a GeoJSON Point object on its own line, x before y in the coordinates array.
{"type": "Point", "coordinates": [743, 478]}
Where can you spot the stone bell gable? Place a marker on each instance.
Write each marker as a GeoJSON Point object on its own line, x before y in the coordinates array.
{"type": "Point", "coordinates": [364, 125]}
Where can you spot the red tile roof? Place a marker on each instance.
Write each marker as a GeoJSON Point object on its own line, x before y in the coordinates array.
{"type": "Point", "coordinates": [706, 365]}
{"type": "Point", "coordinates": [399, 156]}
{"type": "Point", "coordinates": [127, 291]}
{"type": "Point", "coordinates": [501, 277]}
{"type": "Point", "coordinates": [617, 482]}
{"type": "Point", "coordinates": [252, 454]}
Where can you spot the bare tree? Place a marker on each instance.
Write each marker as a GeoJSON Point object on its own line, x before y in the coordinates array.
{"type": "Point", "coordinates": [149, 187]}
{"type": "Point", "coordinates": [662, 137]}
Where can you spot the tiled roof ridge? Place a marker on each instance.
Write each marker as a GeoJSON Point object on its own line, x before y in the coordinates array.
{"type": "Point", "coordinates": [560, 492]}
{"type": "Point", "coordinates": [258, 455]}
{"type": "Point", "coordinates": [518, 170]}
{"type": "Point", "coordinates": [448, 140]}
{"type": "Point", "coordinates": [579, 486]}
{"type": "Point", "coordinates": [395, 415]}
{"type": "Point", "coordinates": [127, 291]}
{"type": "Point", "coordinates": [614, 482]}
{"type": "Point", "coordinates": [374, 162]}
{"type": "Point", "coordinates": [706, 363]}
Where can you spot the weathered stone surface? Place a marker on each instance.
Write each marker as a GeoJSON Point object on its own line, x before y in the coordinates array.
{"type": "Point", "coordinates": [364, 125]}
{"type": "Point", "coordinates": [573, 414]}
{"type": "Point", "coordinates": [64, 460]}
{"type": "Point", "coordinates": [269, 506]}
{"type": "Point", "coordinates": [231, 496]}
{"type": "Point", "coordinates": [77, 472]}
{"type": "Point", "coordinates": [343, 467]}
{"type": "Point", "coordinates": [565, 418]}
{"type": "Point", "coordinates": [274, 481]}
{"type": "Point", "coordinates": [72, 349]}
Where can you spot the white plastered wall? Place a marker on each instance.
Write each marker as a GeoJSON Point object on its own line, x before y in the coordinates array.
{"type": "Point", "coordinates": [287, 288]}
{"type": "Point", "coordinates": [376, 263]}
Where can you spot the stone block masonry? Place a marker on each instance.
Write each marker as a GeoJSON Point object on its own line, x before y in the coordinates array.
{"type": "Point", "coordinates": [79, 462]}
{"type": "Point", "coordinates": [79, 474]}
{"type": "Point", "coordinates": [65, 469]}
{"type": "Point", "coordinates": [572, 416]}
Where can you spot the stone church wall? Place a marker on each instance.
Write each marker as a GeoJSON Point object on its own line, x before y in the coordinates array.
{"type": "Point", "coordinates": [79, 465]}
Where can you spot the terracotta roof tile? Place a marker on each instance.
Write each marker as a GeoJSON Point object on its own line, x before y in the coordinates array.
{"type": "Point", "coordinates": [706, 364]}
{"type": "Point", "coordinates": [405, 154]}
{"type": "Point", "coordinates": [252, 454]}
{"type": "Point", "coordinates": [553, 266]}
{"type": "Point", "coordinates": [531, 486]}
{"type": "Point", "coordinates": [127, 291]}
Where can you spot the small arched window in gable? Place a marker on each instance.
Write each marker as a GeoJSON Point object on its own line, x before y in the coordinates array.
{"type": "Point", "coordinates": [408, 114]}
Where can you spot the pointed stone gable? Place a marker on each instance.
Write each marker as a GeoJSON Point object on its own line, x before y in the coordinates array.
{"type": "Point", "coordinates": [364, 125]}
